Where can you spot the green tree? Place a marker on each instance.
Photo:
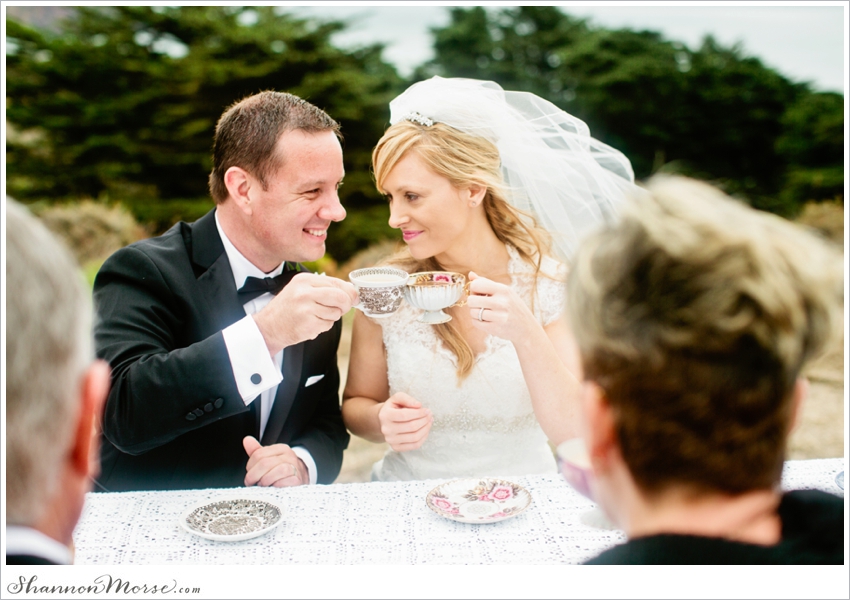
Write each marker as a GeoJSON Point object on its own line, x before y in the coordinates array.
{"type": "Point", "coordinates": [712, 112]}
{"type": "Point", "coordinates": [516, 47]}
{"type": "Point", "coordinates": [812, 144]}
{"type": "Point", "coordinates": [121, 102]}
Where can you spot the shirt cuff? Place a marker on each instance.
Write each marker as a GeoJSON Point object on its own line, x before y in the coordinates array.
{"type": "Point", "coordinates": [304, 455]}
{"type": "Point", "coordinates": [253, 367]}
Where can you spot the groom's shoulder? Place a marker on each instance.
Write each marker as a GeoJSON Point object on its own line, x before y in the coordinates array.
{"type": "Point", "coordinates": [161, 249]}
{"type": "Point", "coordinates": [167, 247]}
{"type": "Point", "coordinates": [170, 252]}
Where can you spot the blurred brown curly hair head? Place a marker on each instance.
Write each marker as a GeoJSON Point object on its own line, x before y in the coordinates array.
{"type": "Point", "coordinates": [695, 314]}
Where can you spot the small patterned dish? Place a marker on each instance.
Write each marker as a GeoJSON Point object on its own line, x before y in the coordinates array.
{"type": "Point", "coordinates": [481, 500]}
{"type": "Point", "coordinates": [231, 519]}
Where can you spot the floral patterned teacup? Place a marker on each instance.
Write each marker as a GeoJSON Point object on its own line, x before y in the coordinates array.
{"type": "Point", "coordinates": [380, 290]}
{"type": "Point", "coordinates": [432, 291]}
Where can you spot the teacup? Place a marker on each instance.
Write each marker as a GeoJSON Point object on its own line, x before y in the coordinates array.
{"type": "Point", "coordinates": [380, 290]}
{"type": "Point", "coordinates": [432, 291]}
{"type": "Point", "coordinates": [574, 465]}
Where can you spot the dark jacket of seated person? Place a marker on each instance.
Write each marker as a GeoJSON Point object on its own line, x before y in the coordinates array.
{"type": "Point", "coordinates": [812, 534]}
{"type": "Point", "coordinates": [694, 317]}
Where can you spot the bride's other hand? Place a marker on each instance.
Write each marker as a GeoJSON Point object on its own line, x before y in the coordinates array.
{"type": "Point", "coordinates": [504, 313]}
{"type": "Point", "coordinates": [405, 423]}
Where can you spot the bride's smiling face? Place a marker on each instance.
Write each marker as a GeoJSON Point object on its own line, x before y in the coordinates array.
{"type": "Point", "coordinates": [431, 213]}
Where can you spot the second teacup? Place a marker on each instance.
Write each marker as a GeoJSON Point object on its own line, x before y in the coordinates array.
{"type": "Point", "coordinates": [380, 290]}
{"type": "Point", "coordinates": [432, 291]}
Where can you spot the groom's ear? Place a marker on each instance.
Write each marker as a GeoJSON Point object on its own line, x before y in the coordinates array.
{"type": "Point", "coordinates": [238, 184]}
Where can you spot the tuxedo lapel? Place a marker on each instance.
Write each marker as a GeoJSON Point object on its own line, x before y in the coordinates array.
{"type": "Point", "coordinates": [215, 278]}
{"type": "Point", "coordinates": [218, 291]}
{"type": "Point", "coordinates": [293, 357]}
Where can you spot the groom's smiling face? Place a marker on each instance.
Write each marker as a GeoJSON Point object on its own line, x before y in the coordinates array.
{"type": "Point", "coordinates": [291, 216]}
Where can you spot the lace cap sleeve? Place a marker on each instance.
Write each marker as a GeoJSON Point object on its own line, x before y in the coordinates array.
{"type": "Point", "coordinates": [550, 284]}
{"type": "Point", "coordinates": [551, 290]}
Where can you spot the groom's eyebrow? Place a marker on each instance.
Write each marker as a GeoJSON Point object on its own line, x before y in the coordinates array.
{"type": "Point", "coordinates": [318, 182]}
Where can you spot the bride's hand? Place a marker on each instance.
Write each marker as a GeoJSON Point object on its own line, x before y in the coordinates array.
{"type": "Point", "coordinates": [404, 422]}
{"type": "Point", "coordinates": [504, 313]}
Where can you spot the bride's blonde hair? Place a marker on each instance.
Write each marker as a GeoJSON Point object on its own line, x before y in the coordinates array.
{"type": "Point", "coordinates": [464, 160]}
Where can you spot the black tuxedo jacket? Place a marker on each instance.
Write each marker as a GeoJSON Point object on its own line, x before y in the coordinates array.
{"type": "Point", "coordinates": [174, 418]}
{"type": "Point", "coordinates": [27, 559]}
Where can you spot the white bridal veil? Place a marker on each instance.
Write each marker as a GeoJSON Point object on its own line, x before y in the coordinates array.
{"type": "Point", "coordinates": [552, 167]}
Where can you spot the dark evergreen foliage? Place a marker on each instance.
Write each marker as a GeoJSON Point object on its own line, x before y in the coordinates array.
{"type": "Point", "coordinates": [121, 103]}
{"type": "Point", "coordinates": [711, 112]}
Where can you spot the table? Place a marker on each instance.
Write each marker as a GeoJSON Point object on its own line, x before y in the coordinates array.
{"type": "Point", "coordinates": [368, 523]}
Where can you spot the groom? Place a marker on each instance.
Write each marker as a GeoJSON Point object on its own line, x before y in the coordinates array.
{"type": "Point", "coordinates": [222, 376]}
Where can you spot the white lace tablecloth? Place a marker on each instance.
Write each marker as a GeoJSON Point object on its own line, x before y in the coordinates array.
{"type": "Point", "coordinates": [368, 523]}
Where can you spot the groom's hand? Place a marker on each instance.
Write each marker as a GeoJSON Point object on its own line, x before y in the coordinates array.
{"type": "Point", "coordinates": [309, 305]}
{"type": "Point", "coordinates": [405, 423]}
{"type": "Point", "coordinates": [276, 465]}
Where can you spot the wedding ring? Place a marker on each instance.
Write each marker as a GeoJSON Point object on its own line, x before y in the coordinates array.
{"type": "Point", "coordinates": [481, 314]}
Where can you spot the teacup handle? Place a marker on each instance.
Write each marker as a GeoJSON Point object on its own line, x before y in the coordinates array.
{"type": "Point", "coordinates": [465, 291]}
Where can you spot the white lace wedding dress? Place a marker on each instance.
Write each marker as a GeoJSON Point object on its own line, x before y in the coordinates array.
{"type": "Point", "coordinates": [484, 426]}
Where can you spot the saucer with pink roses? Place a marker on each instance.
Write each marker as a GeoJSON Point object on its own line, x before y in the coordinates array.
{"type": "Point", "coordinates": [479, 500]}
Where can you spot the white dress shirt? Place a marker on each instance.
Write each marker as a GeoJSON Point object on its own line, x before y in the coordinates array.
{"type": "Point", "coordinates": [249, 355]}
{"type": "Point", "coordinates": [25, 541]}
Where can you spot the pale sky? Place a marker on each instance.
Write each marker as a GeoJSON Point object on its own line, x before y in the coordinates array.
{"type": "Point", "coordinates": [804, 42]}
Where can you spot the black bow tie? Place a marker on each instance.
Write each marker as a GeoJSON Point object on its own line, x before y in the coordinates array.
{"type": "Point", "coordinates": [254, 286]}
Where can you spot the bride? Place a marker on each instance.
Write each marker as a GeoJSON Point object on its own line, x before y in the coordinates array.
{"type": "Point", "coordinates": [498, 186]}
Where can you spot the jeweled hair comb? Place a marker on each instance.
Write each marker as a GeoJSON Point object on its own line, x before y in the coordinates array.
{"type": "Point", "coordinates": [415, 117]}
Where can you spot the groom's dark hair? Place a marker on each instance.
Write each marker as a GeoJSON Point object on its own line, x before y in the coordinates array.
{"type": "Point", "coordinates": [247, 133]}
